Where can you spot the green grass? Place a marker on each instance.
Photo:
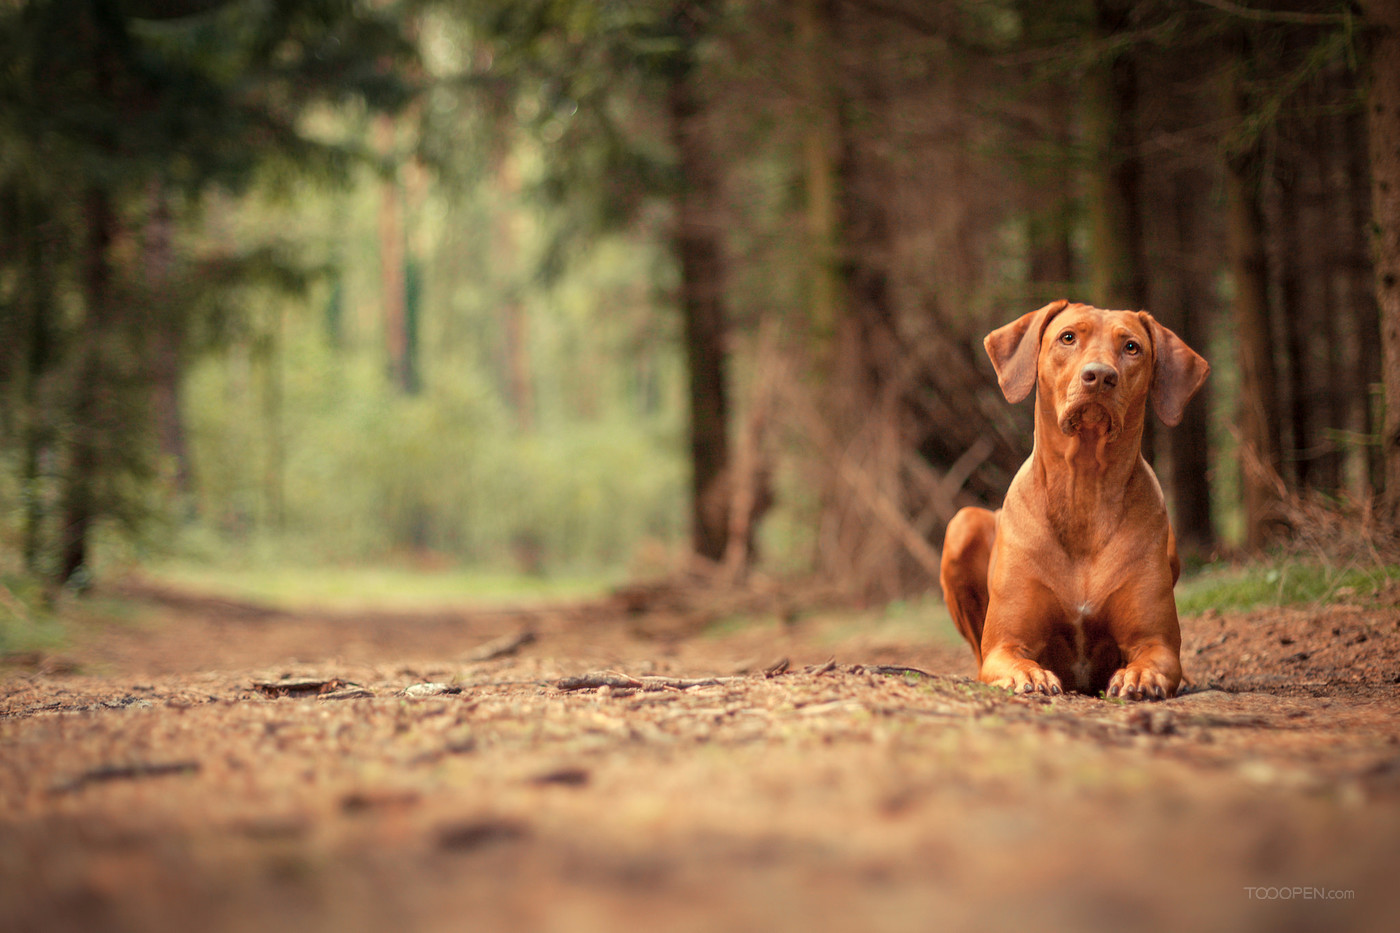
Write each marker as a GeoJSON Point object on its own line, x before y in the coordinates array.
{"type": "Point", "coordinates": [378, 587]}
{"type": "Point", "coordinates": [1279, 582]}
{"type": "Point", "coordinates": [25, 623]}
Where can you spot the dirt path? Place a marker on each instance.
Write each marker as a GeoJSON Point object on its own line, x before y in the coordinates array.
{"type": "Point", "coordinates": [161, 789]}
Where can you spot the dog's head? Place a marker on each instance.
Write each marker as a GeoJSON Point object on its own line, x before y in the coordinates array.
{"type": "Point", "coordinates": [1096, 368]}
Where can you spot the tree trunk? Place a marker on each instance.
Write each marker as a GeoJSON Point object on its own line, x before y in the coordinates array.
{"type": "Point", "coordinates": [1292, 267]}
{"type": "Point", "coordinates": [518, 378]}
{"type": "Point", "coordinates": [874, 384]}
{"type": "Point", "coordinates": [91, 409]}
{"type": "Point", "coordinates": [37, 432]}
{"type": "Point", "coordinates": [1114, 182]}
{"type": "Point", "coordinates": [166, 339]}
{"type": "Point", "coordinates": [271, 390]}
{"type": "Point", "coordinates": [392, 267]}
{"type": "Point", "coordinates": [1367, 380]}
{"type": "Point", "coordinates": [1383, 116]}
{"type": "Point", "coordinates": [1115, 172]}
{"type": "Point", "coordinates": [819, 146]}
{"type": "Point", "coordinates": [1051, 227]}
{"type": "Point", "coordinates": [1186, 314]}
{"type": "Point", "coordinates": [700, 250]}
{"type": "Point", "coordinates": [1259, 409]}
{"type": "Point", "coordinates": [1336, 355]}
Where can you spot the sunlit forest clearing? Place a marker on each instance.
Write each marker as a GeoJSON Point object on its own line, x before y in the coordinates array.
{"type": "Point", "coordinates": [491, 459]}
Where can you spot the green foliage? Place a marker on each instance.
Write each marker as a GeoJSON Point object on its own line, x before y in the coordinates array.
{"type": "Point", "coordinates": [116, 120]}
{"type": "Point", "coordinates": [367, 470]}
{"type": "Point", "coordinates": [303, 448]}
{"type": "Point", "coordinates": [159, 238]}
{"type": "Point", "coordinates": [581, 77]}
{"type": "Point", "coordinates": [1278, 582]}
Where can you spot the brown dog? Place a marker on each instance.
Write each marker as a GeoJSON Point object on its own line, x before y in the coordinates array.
{"type": "Point", "coordinates": [1070, 583]}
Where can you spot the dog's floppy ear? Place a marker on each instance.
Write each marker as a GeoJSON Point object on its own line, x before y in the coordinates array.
{"type": "Point", "coordinates": [1015, 348]}
{"type": "Point", "coordinates": [1177, 371]}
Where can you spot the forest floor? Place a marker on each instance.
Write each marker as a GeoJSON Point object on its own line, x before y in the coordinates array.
{"type": "Point", "coordinates": [190, 763]}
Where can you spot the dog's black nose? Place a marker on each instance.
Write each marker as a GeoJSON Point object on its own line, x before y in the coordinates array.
{"type": "Point", "coordinates": [1099, 376]}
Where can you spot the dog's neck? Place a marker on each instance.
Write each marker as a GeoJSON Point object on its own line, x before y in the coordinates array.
{"type": "Point", "coordinates": [1084, 477]}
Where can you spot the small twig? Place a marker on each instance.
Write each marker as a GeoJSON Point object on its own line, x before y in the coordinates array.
{"type": "Point", "coordinates": [651, 684]}
{"type": "Point", "coordinates": [299, 687]}
{"type": "Point", "coordinates": [896, 669]}
{"type": "Point", "coordinates": [563, 777]}
{"type": "Point", "coordinates": [463, 837]}
{"type": "Point", "coordinates": [779, 666]}
{"type": "Point", "coordinates": [685, 683]}
{"type": "Point", "coordinates": [502, 647]}
{"type": "Point", "coordinates": [349, 692]}
{"type": "Point", "coordinates": [142, 769]}
{"type": "Point", "coordinates": [596, 679]}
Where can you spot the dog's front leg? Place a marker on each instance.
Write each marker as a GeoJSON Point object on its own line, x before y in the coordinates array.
{"type": "Point", "coordinates": [1012, 668]}
{"type": "Point", "coordinates": [1020, 611]}
{"type": "Point", "coordinates": [1145, 627]}
{"type": "Point", "coordinates": [1153, 671]}
{"type": "Point", "coordinates": [1013, 643]}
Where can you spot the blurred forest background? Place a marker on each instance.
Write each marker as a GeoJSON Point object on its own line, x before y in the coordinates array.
{"type": "Point", "coordinates": [589, 286]}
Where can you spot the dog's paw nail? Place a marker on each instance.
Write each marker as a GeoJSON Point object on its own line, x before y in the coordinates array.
{"type": "Point", "coordinates": [1055, 690]}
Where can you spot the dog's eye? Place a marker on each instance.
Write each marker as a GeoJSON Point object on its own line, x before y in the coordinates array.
{"type": "Point", "coordinates": [1067, 338]}
{"type": "Point", "coordinates": [1132, 348]}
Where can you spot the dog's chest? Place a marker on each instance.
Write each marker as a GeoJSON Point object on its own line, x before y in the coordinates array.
{"type": "Point", "coordinates": [1081, 652]}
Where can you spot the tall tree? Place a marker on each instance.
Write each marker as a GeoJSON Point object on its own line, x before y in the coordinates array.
{"type": "Point", "coordinates": [898, 426]}
{"type": "Point", "coordinates": [519, 376]}
{"type": "Point", "coordinates": [393, 259]}
{"type": "Point", "coordinates": [1355, 218]}
{"type": "Point", "coordinates": [1181, 230]}
{"type": "Point", "coordinates": [1383, 123]}
{"type": "Point", "coordinates": [167, 335]}
{"type": "Point", "coordinates": [613, 66]}
{"type": "Point", "coordinates": [820, 145]}
{"type": "Point", "coordinates": [95, 418]}
{"type": "Point", "coordinates": [1259, 407]}
{"type": "Point", "coordinates": [1186, 312]}
{"type": "Point", "coordinates": [700, 249]}
{"type": "Point", "coordinates": [1114, 182]}
{"type": "Point", "coordinates": [32, 336]}
{"type": "Point", "coordinates": [1292, 270]}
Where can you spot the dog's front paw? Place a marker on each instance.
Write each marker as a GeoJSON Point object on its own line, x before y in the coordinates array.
{"type": "Point", "coordinates": [1030, 679]}
{"type": "Point", "coordinates": [1141, 683]}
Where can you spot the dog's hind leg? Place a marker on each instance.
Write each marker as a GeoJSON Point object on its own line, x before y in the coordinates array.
{"type": "Point", "coordinates": [967, 549]}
